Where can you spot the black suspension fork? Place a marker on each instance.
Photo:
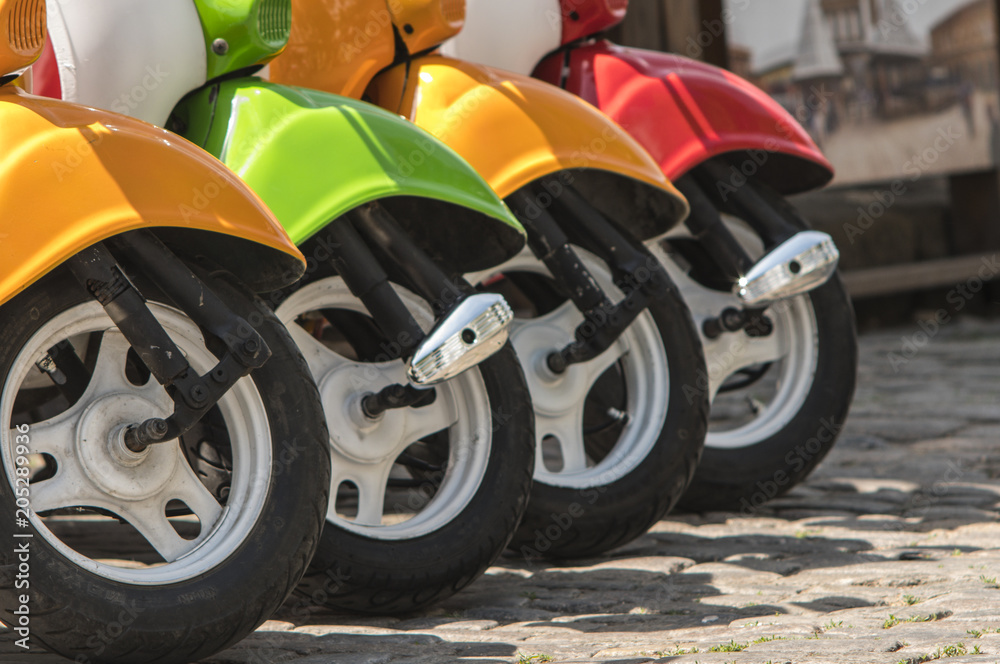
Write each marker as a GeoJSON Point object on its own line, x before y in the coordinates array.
{"type": "Point", "coordinates": [228, 335]}
{"type": "Point", "coordinates": [604, 321]}
{"type": "Point", "coordinates": [706, 225]}
{"type": "Point", "coordinates": [751, 204]}
{"type": "Point", "coordinates": [746, 200]}
{"type": "Point", "coordinates": [353, 235]}
{"type": "Point", "coordinates": [368, 281]}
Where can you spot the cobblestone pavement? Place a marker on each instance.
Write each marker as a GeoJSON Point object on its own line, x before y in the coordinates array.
{"type": "Point", "coordinates": [889, 553]}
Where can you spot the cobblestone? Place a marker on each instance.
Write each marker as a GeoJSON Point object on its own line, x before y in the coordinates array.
{"type": "Point", "coordinates": [889, 553]}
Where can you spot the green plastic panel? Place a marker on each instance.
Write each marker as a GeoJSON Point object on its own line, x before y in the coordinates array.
{"type": "Point", "coordinates": [254, 31]}
{"type": "Point", "coordinates": [312, 156]}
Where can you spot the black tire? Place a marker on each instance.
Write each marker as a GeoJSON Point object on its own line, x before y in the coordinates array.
{"type": "Point", "coordinates": [93, 618]}
{"type": "Point", "coordinates": [575, 522]}
{"type": "Point", "coordinates": [743, 479]}
{"type": "Point", "coordinates": [355, 572]}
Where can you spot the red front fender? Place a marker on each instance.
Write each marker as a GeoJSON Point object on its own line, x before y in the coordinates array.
{"type": "Point", "coordinates": [685, 112]}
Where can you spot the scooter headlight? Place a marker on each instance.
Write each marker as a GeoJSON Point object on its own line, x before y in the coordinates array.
{"type": "Point", "coordinates": [23, 22]}
{"type": "Point", "coordinates": [425, 24]}
{"type": "Point", "coordinates": [243, 33]}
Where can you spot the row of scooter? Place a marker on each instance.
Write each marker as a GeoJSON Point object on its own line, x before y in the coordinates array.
{"type": "Point", "coordinates": [345, 299]}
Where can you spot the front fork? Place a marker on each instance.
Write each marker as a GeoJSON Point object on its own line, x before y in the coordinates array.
{"type": "Point", "coordinates": [228, 335]}
{"type": "Point", "coordinates": [796, 261]}
{"type": "Point", "coordinates": [639, 274]}
{"type": "Point", "coordinates": [474, 326]}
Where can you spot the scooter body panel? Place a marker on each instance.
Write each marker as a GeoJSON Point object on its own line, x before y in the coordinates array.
{"type": "Point", "coordinates": [487, 37]}
{"type": "Point", "coordinates": [332, 49]}
{"type": "Point", "coordinates": [515, 130]}
{"type": "Point", "coordinates": [685, 112]}
{"type": "Point", "coordinates": [425, 24]}
{"type": "Point", "coordinates": [114, 174]}
{"type": "Point", "coordinates": [313, 156]}
{"type": "Point", "coordinates": [582, 18]}
{"type": "Point", "coordinates": [166, 51]}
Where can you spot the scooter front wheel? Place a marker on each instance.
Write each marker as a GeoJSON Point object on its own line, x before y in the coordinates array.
{"type": "Point", "coordinates": [423, 498]}
{"type": "Point", "coordinates": [618, 437]}
{"type": "Point", "coordinates": [121, 556]}
{"type": "Point", "coordinates": [779, 399]}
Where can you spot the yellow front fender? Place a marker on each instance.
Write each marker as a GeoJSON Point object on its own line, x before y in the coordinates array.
{"type": "Point", "coordinates": [72, 176]}
{"type": "Point", "coordinates": [514, 130]}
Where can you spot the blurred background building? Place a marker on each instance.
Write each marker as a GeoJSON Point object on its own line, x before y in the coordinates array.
{"type": "Point", "coordinates": [874, 82]}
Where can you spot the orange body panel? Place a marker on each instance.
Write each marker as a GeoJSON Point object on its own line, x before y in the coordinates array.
{"type": "Point", "coordinates": [71, 176]}
{"type": "Point", "coordinates": [426, 24]}
{"type": "Point", "coordinates": [511, 129]}
{"type": "Point", "coordinates": [336, 45]}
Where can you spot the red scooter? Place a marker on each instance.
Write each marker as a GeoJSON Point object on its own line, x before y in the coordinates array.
{"type": "Point", "coordinates": [782, 371]}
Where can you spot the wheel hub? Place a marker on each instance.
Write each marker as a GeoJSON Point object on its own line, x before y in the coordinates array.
{"type": "Point", "coordinates": [108, 463]}
{"type": "Point", "coordinates": [552, 393]}
{"type": "Point", "coordinates": [354, 434]}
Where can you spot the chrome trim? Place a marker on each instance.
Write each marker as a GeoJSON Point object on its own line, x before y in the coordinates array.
{"type": "Point", "coordinates": [798, 265]}
{"type": "Point", "coordinates": [474, 330]}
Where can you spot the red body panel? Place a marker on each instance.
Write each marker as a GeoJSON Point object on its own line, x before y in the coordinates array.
{"type": "Point", "coordinates": [685, 112]}
{"type": "Point", "coordinates": [45, 74]}
{"type": "Point", "coordinates": [582, 18]}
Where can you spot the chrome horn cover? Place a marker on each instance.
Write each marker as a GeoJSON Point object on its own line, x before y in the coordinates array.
{"type": "Point", "coordinates": [474, 330]}
{"type": "Point", "coordinates": [798, 265]}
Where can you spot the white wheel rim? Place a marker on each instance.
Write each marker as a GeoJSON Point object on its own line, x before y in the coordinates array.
{"type": "Point", "coordinates": [91, 474]}
{"type": "Point", "coordinates": [793, 348]}
{"type": "Point", "coordinates": [558, 401]}
{"type": "Point", "coordinates": [364, 451]}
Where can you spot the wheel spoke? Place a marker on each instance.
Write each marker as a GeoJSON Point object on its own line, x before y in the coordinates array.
{"type": "Point", "coordinates": [185, 486]}
{"type": "Point", "coordinates": [68, 488]}
{"type": "Point", "coordinates": [567, 429]}
{"type": "Point", "coordinates": [53, 436]}
{"type": "Point", "coordinates": [108, 376]}
{"type": "Point", "coordinates": [422, 422]}
{"type": "Point", "coordinates": [596, 367]}
{"type": "Point", "coordinates": [371, 498]}
{"type": "Point", "coordinates": [151, 521]}
{"type": "Point", "coordinates": [743, 351]}
{"type": "Point", "coordinates": [321, 360]}
{"type": "Point", "coordinates": [566, 317]}
{"type": "Point", "coordinates": [371, 481]}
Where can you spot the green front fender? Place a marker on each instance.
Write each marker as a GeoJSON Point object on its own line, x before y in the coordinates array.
{"type": "Point", "coordinates": [312, 156]}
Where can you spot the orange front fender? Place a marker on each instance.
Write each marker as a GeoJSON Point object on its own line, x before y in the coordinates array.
{"type": "Point", "coordinates": [514, 130]}
{"type": "Point", "coordinates": [72, 176]}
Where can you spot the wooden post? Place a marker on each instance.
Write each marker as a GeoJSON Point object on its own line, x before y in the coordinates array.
{"type": "Point", "coordinates": [644, 26]}
{"type": "Point", "coordinates": [694, 28]}
{"type": "Point", "coordinates": [975, 199]}
{"type": "Point", "coordinates": [712, 19]}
